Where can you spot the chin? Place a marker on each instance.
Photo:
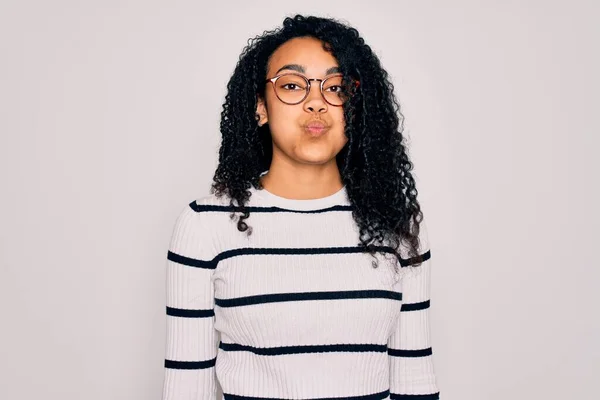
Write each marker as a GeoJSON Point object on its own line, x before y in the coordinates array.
{"type": "Point", "coordinates": [315, 157]}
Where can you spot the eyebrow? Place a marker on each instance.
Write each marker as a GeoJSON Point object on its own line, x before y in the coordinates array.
{"type": "Point", "coordinates": [300, 68]}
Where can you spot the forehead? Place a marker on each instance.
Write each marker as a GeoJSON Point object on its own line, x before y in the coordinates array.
{"type": "Point", "coordinates": [305, 51]}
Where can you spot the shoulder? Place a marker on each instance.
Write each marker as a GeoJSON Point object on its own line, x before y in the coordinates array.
{"type": "Point", "coordinates": [424, 248]}
{"type": "Point", "coordinates": [209, 202]}
{"type": "Point", "coordinates": [205, 219]}
{"type": "Point", "coordinates": [202, 211]}
{"type": "Point", "coordinates": [197, 227]}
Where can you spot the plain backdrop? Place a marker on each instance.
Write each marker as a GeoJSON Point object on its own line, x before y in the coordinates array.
{"type": "Point", "coordinates": [109, 122]}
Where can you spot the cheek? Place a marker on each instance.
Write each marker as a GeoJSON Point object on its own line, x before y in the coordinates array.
{"type": "Point", "coordinates": [283, 121]}
{"type": "Point", "coordinates": [339, 116]}
{"type": "Point", "coordinates": [282, 112]}
{"type": "Point", "coordinates": [281, 115]}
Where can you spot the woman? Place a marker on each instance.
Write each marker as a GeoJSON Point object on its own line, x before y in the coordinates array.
{"type": "Point", "coordinates": [310, 257]}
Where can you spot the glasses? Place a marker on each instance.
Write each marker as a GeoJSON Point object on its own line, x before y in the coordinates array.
{"type": "Point", "coordinates": [293, 88]}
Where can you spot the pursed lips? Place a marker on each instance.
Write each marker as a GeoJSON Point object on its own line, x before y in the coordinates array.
{"type": "Point", "coordinates": [315, 126]}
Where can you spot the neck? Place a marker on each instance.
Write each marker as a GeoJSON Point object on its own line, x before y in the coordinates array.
{"type": "Point", "coordinates": [304, 182]}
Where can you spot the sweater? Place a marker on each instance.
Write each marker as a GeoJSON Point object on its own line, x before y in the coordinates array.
{"type": "Point", "coordinates": [295, 310]}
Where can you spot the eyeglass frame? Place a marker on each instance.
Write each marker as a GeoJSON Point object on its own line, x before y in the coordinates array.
{"type": "Point", "coordinates": [273, 80]}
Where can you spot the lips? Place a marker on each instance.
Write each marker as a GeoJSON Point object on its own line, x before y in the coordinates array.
{"type": "Point", "coordinates": [315, 128]}
{"type": "Point", "coordinates": [315, 125]}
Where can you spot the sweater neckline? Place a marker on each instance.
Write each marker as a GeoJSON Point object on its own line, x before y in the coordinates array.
{"type": "Point", "coordinates": [271, 199]}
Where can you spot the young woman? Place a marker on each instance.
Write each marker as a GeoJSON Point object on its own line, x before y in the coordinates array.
{"type": "Point", "coordinates": [305, 273]}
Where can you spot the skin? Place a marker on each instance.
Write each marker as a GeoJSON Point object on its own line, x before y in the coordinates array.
{"type": "Point", "coordinates": [303, 166]}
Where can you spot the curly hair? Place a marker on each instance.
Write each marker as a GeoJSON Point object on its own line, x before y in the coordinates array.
{"type": "Point", "coordinates": [374, 164]}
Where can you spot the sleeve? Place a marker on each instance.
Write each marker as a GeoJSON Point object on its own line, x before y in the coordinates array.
{"type": "Point", "coordinates": [191, 340]}
{"type": "Point", "coordinates": [412, 375]}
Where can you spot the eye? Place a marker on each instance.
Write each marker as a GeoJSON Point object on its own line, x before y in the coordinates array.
{"type": "Point", "coordinates": [334, 88]}
{"type": "Point", "coordinates": [292, 86]}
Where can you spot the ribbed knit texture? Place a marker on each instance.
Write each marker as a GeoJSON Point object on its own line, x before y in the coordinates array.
{"type": "Point", "coordinates": [293, 311]}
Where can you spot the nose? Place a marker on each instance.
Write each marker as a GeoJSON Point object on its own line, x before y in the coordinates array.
{"type": "Point", "coordinates": [315, 101]}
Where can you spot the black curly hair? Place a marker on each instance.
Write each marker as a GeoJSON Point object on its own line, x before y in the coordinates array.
{"type": "Point", "coordinates": [374, 164]}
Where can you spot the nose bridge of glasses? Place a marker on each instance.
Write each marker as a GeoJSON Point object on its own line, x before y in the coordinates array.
{"type": "Point", "coordinates": [317, 85]}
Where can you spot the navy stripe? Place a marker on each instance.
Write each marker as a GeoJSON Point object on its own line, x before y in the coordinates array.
{"type": "Point", "coordinates": [271, 209]}
{"type": "Point", "coordinates": [374, 396]}
{"type": "Point", "coordinates": [212, 264]}
{"type": "Point", "coordinates": [290, 251]}
{"type": "Point", "coordinates": [315, 250]}
{"type": "Point", "coordinates": [335, 295]}
{"type": "Point", "coordinates": [405, 262]}
{"type": "Point", "coordinates": [192, 262]}
{"type": "Point", "coordinates": [415, 306]}
{"type": "Point", "coordinates": [410, 353]}
{"type": "Point", "coordinates": [180, 312]}
{"type": "Point", "coordinates": [433, 396]}
{"type": "Point", "coordinates": [325, 348]}
{"type": "Point", "coordinates": [172, 364]}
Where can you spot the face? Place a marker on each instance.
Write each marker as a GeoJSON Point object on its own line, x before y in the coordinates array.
{"type": "Point", "coordinates": [292, 139]}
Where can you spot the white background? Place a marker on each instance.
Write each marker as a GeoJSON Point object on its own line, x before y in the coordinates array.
{"type": "Point", "coordinates": [109, 114]}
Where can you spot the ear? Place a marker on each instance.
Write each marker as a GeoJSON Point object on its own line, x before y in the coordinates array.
{"type": "Point", "coordinates": [261, 111]}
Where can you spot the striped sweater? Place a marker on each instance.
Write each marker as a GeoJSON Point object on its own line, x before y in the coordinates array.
{"type": "Point", "coordinates": [293, 311]}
